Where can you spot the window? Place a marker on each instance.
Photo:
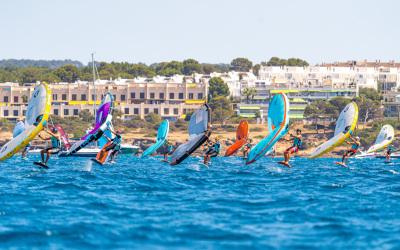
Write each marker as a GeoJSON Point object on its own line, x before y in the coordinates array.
{"type": "Point", "coordinates": [5, 99]}
{"type": "Point", "coordinates": [15, 112]}
{"type": "Point", "coordinates": [114, 97]}
{"type": "Point", "coordinates": [24, 112]}
{"type": "Point", "coordinates": [76, 112]}
{"type": "Point", "coordinates": [155, 111]}
{"type": "Point", "coordinates": [133, 95]}
{"type": "Point", "coordinates": [16, 99]}
{"type": "Point", "coordinates": [55, 111]}
{"type": "Point", "coordinates": [5, 113]}
{"type": "Point", "coordinates": [55, 97]}
{"type": "Point", "coordinates": [126, 110]}
{"type": "Point", "coordinates": [83, 97]}
{"type": "Point", "coordinates": [73, 97]}
{"type": "Point", "coordinates": [176, 111]}
{"type": "Point", "coordinates": [152, 95]}
{"type": "Point", "coordinates": [123, 98]}
{"type": "Point", "coordinates": [184, 111]}
{"type": "Point", "coordinates": [166, 111]}
{"type": "Point", "coordinates": [141, 95]}
{"type": "Point", "coordinates": [181, 96]}
{"type": "Point", "coordinates": [161, 95]}
{"type": "Point", "coordinates": [66, 111]}
{"type": "Point", "coordinates": [146, 111]}
{"type": "Point", "coordinates": [171, 95]}
{"type": "Point", "coordinates": [191, 96]}
{"type": "Point", "coordinates": [93, 97]}
{"type": "Point", "coordinates": [64, 97]}
{"type": "Point", "coordinates": [135, 111]}
{"type": "Point", "coordinates": [199, 96]}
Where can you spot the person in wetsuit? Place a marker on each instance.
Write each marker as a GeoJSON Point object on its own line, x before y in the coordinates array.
{"type": "Point", "coordinates": [355, 144]}
{"type": "Point", "coordinates": [166, 149]}
{"type": "Point", "coordinates": [54, 146]}
{"type": "Point", "coordinates": [247, 148]}
{"type": "Point", "coordinates": [212, 151]}
{"type": "Point", "coordinates": [389, 150]}
{"type": "Point", "coordinates": [297, 142]}
{"type": "Point", "coordinates": [115, 146]}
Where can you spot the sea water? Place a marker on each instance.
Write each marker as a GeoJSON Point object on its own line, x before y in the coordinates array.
{"type": "Point", "coordinates": [145, 203]}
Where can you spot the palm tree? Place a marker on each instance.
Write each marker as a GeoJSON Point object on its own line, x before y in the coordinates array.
{"type": "Point", "coordinates": [249, 93]}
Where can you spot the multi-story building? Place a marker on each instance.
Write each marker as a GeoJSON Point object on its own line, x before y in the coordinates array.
{"type": "Point", "coordinates": [305, 84]}
{"type": "Point", "coordinates": [169, 97]}
{"type": "Point", "coordinates": [299, 97]}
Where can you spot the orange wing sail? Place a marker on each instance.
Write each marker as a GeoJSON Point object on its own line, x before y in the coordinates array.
{"type": "Point", "coordinates": [242, 134]}
{"type": "Point", "coordinates": [102, 156]}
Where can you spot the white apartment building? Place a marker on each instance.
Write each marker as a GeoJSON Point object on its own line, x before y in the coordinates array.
{"type": "Point", "coordinates": [334, 76]}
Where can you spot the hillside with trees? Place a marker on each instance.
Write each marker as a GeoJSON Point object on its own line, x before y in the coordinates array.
{"type": "Point", "coordinates": [28, 71]}
{"type": "Point", "coordinates": [25, 63]}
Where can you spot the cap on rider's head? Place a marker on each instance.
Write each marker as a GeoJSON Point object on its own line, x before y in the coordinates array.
{"type": "Point", "coordinates": [357, 138]}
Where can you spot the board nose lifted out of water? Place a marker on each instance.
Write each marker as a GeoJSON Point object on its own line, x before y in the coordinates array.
{"type": "Point", "coordinates": [37, 113]}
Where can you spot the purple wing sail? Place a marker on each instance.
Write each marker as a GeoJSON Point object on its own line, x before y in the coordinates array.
{"type": "Point", "coordinates": [101, 116]}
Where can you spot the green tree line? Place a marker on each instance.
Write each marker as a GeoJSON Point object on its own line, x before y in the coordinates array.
{"type": "Point", "coordinates": [28, 71]}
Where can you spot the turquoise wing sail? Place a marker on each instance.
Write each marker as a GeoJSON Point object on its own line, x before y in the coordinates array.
{"type": "Point", "coordinates": [162, 135]}
{"type": "Point", "coordinates": [278, 123]}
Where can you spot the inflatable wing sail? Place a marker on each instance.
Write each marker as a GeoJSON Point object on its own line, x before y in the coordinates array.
{"type": "Point", "coordinates": [162, 135]}
{"type": "Point", "coordinates": [198, 134]}
{"type": "Point", "coordinates": [64, 137]}
{"type": "Point", "coordinates": [345, 125]}
{"type": "Point", "coordinates": [103, 121]}
{"type": "Point", "coordinates": [37, 114]}
{"type": "Point", "coordinates": [384, 139]}
{"type": "Point", "coordinates": [103, 140]}
{"type": "Point", "coordinates": [278, 123]}
{"type": "Point", "coordinates": [242, 134]}
{"type": "Point", "coordinates": [19, 128]}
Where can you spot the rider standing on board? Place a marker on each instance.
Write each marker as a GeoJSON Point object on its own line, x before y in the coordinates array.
{"type": "Point", "coordinates": [54, 146]}
{"type": "Point", "coordinates": [297, 142]}
{"type": "Point", "coordinates": [355, 144]}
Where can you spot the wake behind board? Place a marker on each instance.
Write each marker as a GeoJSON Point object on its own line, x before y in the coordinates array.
{"type": "Point", "coordinates": [40, 164]}
{"type": "Point", "coordinates": [341, 164]}
{"type": "Point", "coordinates": [202, 164]}
{"type": "Point", "coordinates": [285, 164]}
{"type": "Point", "coordinates": [96, 161]}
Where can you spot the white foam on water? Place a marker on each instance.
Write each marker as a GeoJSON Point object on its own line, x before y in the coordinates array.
{"type": "Point", "coordinates": [195, 167]}
{"type": "Point", "coordinates": [276, 169]}
{"type": "Point", "coordinates": [89, 166]}
{"type": "Point", "coordinates": [393, 171]}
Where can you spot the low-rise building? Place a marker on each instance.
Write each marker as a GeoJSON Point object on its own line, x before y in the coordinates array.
{"type": "Point", "coordinates": [299, 97]}
{"type": "Point", "coordinates": [169, 97]}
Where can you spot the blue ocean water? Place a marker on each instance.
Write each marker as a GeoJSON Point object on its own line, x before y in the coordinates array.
{"type": "Point", "coordinates": [138, 203]}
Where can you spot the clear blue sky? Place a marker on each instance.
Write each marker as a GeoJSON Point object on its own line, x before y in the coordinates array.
{"type": "Point", "coordinates": [207, 30]}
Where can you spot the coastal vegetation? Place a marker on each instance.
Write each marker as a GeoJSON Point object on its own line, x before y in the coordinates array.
{"type": "Point", "coordinates": [29, 71]}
